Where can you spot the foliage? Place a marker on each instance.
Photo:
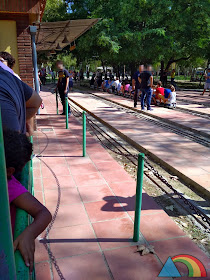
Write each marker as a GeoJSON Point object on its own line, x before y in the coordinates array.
{"type": "Point", "coordinates": [68, 60]}
{"type": "Point", "coordinates": [134, 31]}
{"type": "Point", "coordinates": [55, 10]}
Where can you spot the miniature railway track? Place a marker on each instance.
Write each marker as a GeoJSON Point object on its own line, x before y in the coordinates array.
{"type": "Point", "coordinates": [191, 134]}
{"type": "Point", "coordinates": [198, 216]}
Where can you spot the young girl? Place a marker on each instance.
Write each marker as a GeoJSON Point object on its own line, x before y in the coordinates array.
{"type": "Point", "coordinates": [18, 152]}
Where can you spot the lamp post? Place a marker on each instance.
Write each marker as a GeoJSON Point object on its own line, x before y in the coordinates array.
{"type": "Point", "coordinates": [33, 30]}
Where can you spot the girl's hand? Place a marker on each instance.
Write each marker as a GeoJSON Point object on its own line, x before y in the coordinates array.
{"type": "Point", "coordinates": [26, 245]}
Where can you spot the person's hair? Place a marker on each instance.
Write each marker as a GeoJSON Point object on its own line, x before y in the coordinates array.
{"type": "Point", "coordinates": [9, 58]}
{"type": "Point", "coordinates": [172, 88]}
{"type": "Point", "coordinates": [59, 62]}
{"type": "Point", "coordinates": [159, 83]}
{"type": "Point", "coordinates": [18, 149]}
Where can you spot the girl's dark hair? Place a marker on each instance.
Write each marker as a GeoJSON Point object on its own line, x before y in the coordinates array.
{"type": "Point", "coordinates": [18, 149]}
{"type": "Point", "coordinates": [159, 83]}
{"type": "Point", "coordinates": [9, 58]}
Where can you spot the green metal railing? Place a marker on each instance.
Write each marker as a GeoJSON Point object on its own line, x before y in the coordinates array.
{"type": "Point", "coordinates": [22, 221]}
{"type": "Point", "coordinates": [84, 133]}
{"type": "Point", "coordinates": [139, 187]}
{"type": "Point", "coordinates": [12, 265]}
{"type": "Point", "coordinates": [7, 260]}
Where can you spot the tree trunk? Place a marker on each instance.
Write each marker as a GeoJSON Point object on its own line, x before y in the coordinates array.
{"type": "Point", "coordinates": [161, 70]}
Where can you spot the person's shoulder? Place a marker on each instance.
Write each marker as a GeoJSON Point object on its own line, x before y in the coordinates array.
{"type": "Point", "coordinates": [15, 188]}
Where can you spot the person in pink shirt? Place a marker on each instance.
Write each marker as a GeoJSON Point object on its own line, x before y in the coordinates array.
{"type": "Point", "coordinates": [18, 152]}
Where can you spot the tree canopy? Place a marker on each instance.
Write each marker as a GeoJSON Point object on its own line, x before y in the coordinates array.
{"type": "Point", "coordinates": [134, 31]}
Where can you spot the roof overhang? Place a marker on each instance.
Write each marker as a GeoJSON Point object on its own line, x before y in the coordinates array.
{"type": "Point", "coordinates": [49, 34]}
{"type": "Point", "coordinates": [31, 7]}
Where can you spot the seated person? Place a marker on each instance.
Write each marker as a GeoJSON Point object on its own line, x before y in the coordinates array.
{"type": "Point", "coordinates": [119, 87]}
{"type": "Point", "coordinates": [127, 88]}
{"type": "Point", "coordinates": [158, 92]}
{"type": "Point", "coordinates": [169, 98]}
{"type": "Point", "coordinates": [109, 88]}
{"type": "Point", "coordinates": [170, 102]}
{"type": "Point", "coordinates": [18, 152]}
{"type": "Point", "coordinates": [115, 84]}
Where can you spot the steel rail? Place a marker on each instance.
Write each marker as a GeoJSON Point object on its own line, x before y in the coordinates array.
{"type": "Point", "coordinates": [95, 128]}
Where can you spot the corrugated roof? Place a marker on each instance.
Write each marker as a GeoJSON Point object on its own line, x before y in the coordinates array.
{"type": "Point", "coordinates": [49, 34]}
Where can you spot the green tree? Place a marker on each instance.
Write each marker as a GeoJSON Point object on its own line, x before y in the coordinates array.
{"type": "Point", "coordinates": [134, 31]}
{"type": "Point", "coordinates": [55, 10]}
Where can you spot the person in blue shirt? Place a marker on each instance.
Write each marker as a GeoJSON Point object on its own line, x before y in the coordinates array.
{"type": "Point", "coordinates": [136, 84]}
{"type": "Point", "coordinates": [207, 83]}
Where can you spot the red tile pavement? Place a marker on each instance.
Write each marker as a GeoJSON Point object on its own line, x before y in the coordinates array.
{"type": "Point", "coordinates": [126, 263]}
{"type": "Point", "coordinates": [73, 241]}
{"type": "Point", "coordinates": [91, 237]}
{"type": "Point", "coordinates": [90, 266]}
{"type": "Point", "coordinates": [180, 147]}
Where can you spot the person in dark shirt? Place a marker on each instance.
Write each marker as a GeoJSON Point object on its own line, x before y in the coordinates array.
{"type": "Point", "coordinates": [18, 102]}
{"type": "Point", "coordinates": [146, 81]}
{"type": "Point", "coordinates": [136, 85]}
{"type": "Point", "coordinates": [63, 84]}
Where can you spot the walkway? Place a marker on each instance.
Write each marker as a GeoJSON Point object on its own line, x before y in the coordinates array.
{"type": "Point", "coordinates": [188, 158]}
{"type": "Point", "coordinates": [182, 118]}
{"type": "Point", "coordinates": [91, 237]}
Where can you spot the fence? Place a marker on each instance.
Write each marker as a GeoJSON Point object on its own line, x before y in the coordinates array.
{"type": "Point", "coordinates": [12, 265]}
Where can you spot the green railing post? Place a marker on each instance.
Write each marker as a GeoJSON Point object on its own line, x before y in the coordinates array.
{"type": "Point", "coordinates": [67, 112]}
{"type": "Point", "coordinates": [84, 133]}
{"type": "Point", "coordinates": [7, 260]}
{"type": "Point", "coordinates": [139, 187]}
{"type": "Point", "coordinates": [56, 94]}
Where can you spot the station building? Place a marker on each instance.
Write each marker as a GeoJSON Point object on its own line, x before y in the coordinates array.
{"type": "Point", "coordinates": [15, 18]}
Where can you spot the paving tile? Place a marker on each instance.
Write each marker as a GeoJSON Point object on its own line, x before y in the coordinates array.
{"type": "Point", "coordinates": [78, 160]}
{"type": "Point", "coordinates": [64, 181]}
{"type": "Point", "coordinates": [37, 173]}
{"type": "Point", "coordinates": [68, 196]}
{"type": "Point", "coordinates": [41, 253]}
{"type": "Point", "coordinates": [39, 196]}
{"type": "Point", "coordinates": [75, 240]}
{"type": "Point", "coordinates": [89, 180]}
{"type": "Point", "coordinates": [105, 210]}
{"type": "Point", "coordinates": [66, 215]}
{"type": "Point", "coordinates": [54, 160]}
{"type": "Point", "coordinates": [124, 188]}
{"type": "Point", "coordinates": [87, 168]}
{"type": "Point", "coordinates": [90, 266]}
{"type": "Point", "coordinates": [98, 193]}
{"type": "Point", "coordinates": [108, 166]}
{"type": "Point", "coordinates": [178, 246]}
{"type": "Point", "coordinates": [38, 184]}
{"type": "Point", "coordinates": [59, 170]}
{"type": "Point", "coordinates": [43, 271]}
{"type": "Point", "coordinates": [112, 232]}
{"type": "Point", "coordinates": [126, 264]}
{"type": "Point", "coordinates": [116, 176]}
{"type": "Point", "coordinates": [159, 226]}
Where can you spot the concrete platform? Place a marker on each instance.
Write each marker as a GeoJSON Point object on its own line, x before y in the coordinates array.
{"type": "Point", "coordinates": [188, 100]}
{"type": "Point", "coordinates": [181, 118]}
{"type": "Point", "coordinates": [91, 237]}
{"type": "Point", "coordinates": [185, 158]}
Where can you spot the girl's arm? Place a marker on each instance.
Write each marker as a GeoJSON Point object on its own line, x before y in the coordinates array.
{"type": "Point", "coordinates": [25, 242]}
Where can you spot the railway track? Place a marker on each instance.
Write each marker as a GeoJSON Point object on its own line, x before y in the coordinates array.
{"type": "Point", "coordinates": [191, 134]}
{"type": "Point", "coordinates": [198, 217]}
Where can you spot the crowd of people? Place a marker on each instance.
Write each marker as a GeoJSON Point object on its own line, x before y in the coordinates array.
{"type": "Point", "coordinates": [141, 87]}
{"type": "Point", "coordinates": [19, 104]}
